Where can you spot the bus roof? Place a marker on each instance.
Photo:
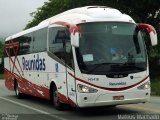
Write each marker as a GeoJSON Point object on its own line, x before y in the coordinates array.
{"type": "Point", "coordinates": [80, 15]}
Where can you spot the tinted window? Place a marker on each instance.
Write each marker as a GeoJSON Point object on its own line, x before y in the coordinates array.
{"type": "Point", "coordinates": [26, 44]}
{"type": "Point", "coordinates": [30, 43]}
{"type": "Point", "coordinates": [57, 37]}
{"type": "Point", "coordinates": [102, 46]}
{"type": "Point", "coordinates": [40, 40]}
{"type": "Point", "coordinates": [59, 44]}
{"type": "Point", "coordinates": [10, 49]}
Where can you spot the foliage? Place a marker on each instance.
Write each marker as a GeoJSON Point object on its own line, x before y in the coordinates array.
{"type": "Point", "coordinates": [1, 76]}
{"type": "Point", "coordinates": [134, 8]}
{"type": "Point", "coordinates": [155, 85]}
{"type": "Point", "coordinates": [1, 57]}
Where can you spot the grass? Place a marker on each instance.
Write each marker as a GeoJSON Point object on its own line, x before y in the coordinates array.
{"type": "Point", "coordinates": [155, 86]}
{"type": "Point", "coordinates": [155, 80]}
{"type": "Point", "coordinates": [1, 76]}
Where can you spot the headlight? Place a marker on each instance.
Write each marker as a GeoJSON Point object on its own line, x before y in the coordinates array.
{"type": "Point", "coordinates": [144, 86]}
{"type": "Point", "coordinates": [85, 89]}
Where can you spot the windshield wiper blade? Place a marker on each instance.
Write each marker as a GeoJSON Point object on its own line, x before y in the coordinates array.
{"type": "Point", "coordinates": [133, 65]}
{"type": "Point", "coordinates": [137, 67]}
{"type": "Point", "coordinates": [128, 65]}
{"type": "Point", "coordinates": [97, 66]}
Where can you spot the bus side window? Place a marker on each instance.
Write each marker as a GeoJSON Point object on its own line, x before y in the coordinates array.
{"type": "Point", "coordinates": [25, 44]}
{"type": "Point", "coordinates": [59, 44]}
{"type": "Point", "coordinates": [39, 40]}
{"type": "Point", "coordinates": [60, 36]}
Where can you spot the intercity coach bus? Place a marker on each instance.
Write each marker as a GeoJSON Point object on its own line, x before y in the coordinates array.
{"type": "Point", "coordinates": [84, 57]}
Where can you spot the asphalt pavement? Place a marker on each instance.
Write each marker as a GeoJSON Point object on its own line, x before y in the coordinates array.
{"type": "Point", "coordinates": [32, 108]}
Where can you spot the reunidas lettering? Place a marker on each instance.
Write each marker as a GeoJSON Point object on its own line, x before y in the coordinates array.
{"type": "Point", "coordinates": [115, 84]}
{"type": "Point", "coordinates": [37, 64]}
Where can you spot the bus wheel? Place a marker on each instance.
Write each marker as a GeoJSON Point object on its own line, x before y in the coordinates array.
{"type": "Point", "coordinates": [57, 104]}
{"type": "Point", "coordinates": [16, 88]}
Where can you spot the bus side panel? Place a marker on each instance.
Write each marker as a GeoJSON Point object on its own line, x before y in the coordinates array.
{"type": "Point", "coordinates": [9, 81]}
{"type": "Point", "coordinates": [30, 88]}
{"type": "Point", "coordinates": [35, 70]}
{"type": "Point", "coordinates": [9, 78]}
{"type": "Point", "coordinates": [30, 82]}
{"type": "Point", "coordinates": [25, 86]}
{"type": "Point", "coordinates": [71, 83]}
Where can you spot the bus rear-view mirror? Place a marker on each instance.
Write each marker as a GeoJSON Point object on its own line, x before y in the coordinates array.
{"type": "Point", "coordinates": [152, 32]}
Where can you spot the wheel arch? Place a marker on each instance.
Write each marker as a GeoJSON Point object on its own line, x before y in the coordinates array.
{"type": "Point", "coordinates": [15, 81]}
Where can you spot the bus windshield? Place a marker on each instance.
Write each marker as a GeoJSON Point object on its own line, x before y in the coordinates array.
{"type": "Point", "coordinates": [110, 48]}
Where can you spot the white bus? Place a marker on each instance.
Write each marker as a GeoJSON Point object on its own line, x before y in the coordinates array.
{"type": "Point", "coordinates": [84, 57]}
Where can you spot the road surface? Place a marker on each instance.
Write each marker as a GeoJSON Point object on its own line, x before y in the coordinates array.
{"type": "Point", "coordinates": [32, 108]}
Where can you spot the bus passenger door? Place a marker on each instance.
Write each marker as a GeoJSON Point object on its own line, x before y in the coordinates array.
{"type": "Point", "coordinates": [61, 52]}
{"type": "Point", "coordinates": [71, 82]}
{"type": "Point", "coordinates": [69, 63]}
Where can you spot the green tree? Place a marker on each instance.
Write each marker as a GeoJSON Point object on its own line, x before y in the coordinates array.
{"type": "Point", "coordinates": [140, 10]}
{"type": "Point", "coordinates": [1, 57]}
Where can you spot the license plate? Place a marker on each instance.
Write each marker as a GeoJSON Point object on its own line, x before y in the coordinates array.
{"type": "Point", "coordinates": [118, 97]}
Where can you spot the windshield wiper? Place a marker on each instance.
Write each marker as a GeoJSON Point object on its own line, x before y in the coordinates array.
{"type": "Point", "coordinates": [128, 65]}
{"type": "Point", "coordinates": [133, 65]}
{"type": "Point", "coordinates": [136, 67]}
{"type": "Point", "coordinates": [97, 66]}
{"type": "Point", "coordinates": [118, 65]}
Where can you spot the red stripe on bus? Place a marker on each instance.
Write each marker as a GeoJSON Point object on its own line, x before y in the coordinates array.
{"type": "Point", "coordinates": [66, 100]}
{"type": "Point", "coordinates": [72, 27]}
{"type": "Point", "coordinates": [109, 89]}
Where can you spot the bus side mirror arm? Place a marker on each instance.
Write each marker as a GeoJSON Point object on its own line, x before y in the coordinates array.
{"type": "Point", "coordinates": [75, 39]}
{"type": "Point", "coordinates": [152, 32]}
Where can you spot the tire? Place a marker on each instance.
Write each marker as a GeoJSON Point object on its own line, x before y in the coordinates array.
{"type": "Point", "coordinates": [55, 99]}
{"type": "Point", "coordinates": [16, 88]}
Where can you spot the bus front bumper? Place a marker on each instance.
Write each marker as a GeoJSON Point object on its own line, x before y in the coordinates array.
{"type": "Point", "coordinates": [92, 100]}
